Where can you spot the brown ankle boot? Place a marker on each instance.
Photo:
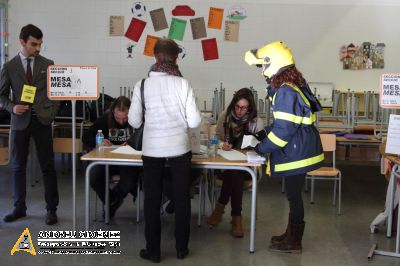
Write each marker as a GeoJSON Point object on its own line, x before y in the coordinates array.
{"type": "Point", "coordinates": [216, 216]}
{"type": "Point", "coordinates": [280, 238]}
{"type": "Point", "coordinates": [292, 242]}
{"type": "Point", "coordinates": [237, 226]}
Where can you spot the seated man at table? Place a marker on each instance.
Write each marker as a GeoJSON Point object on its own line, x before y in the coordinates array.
{"type": "Point", "coordinates": [116, 130]}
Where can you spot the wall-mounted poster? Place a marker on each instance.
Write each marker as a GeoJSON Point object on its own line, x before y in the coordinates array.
{"type": "Point", "coordinates": [159, 20]}
{"type": "Point", "coordinates": [365, 56]}
{"type": "Point", "coordinates": [237, 13]}
{"type": "Point", "coordinates": [210, 49]}
{"type": "Point", "coordinates": [183, 10]}
{"type": "Point", "coordinates": [149, 46]}
{"type": "Point", "coordinates": [215, 17]}
{"type": "Point", "coordinates": [116, 25]}
{"type": "Point", "coordinates": [232, 30]}
{"type": "Point", "coordinates": [135, 29]}
{"type": "Point", "coordinates": [198, 28]}
{"type": "Point", "coordinates": [138, 9]}
{"type": "Point", "coordinates": [177, 29]}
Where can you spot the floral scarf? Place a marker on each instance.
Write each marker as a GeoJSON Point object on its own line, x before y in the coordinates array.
{"type": "Point", "coordinates": [169, 68]}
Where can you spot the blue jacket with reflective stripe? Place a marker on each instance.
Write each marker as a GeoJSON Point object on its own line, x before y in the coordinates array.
{"type": "Point", "coordinates": [292, 141]}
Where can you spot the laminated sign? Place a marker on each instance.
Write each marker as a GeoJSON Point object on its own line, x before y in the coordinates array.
{"type": "Point", "coordinates": [28, 94]}
{"type": "Point", "coordinates": [73, 82]}
{"type": "Point", "coordinates": [390, 90]}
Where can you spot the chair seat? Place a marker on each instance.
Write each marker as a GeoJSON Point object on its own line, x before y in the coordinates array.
{"type": "Point", "coordinates": [324, 171]}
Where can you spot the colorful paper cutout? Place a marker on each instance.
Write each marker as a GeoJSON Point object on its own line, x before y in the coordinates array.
{"type": "Point", "coordinates": [183, 10]}
{"type": "Point", "coordinates": [138, 9]}
{"type": "Point", "coordinates": [116, 25]}
{"type": "Point", "coordinates": [129, 49]}
{"type": "Point", "coordinates": [215, 17]}
{"type": "Point", "coordinates": [198, 28]}
{"type": "Point", "coordinates": [149, 46]}
{"type": "Point", "coordinates": [232, 30]}
{"type": "Point", "coordinates": [159, 20]}
{"type": "Point", "coordinates": [237, 13]}
{"type": "Point", "coordinates": [135, 29]}
{"type": "Point", "coordinates": [177, 29]}
{"type": "Point", "coordinates": [182, 52]}
{"type": "Point", "coordinates": [210, 49]}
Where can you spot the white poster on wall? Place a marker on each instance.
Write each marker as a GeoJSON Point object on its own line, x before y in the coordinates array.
{"type": "Point", "coordinates": [73, 82]}
{"type": "Point", "coordinates": [393, 136]}
{"type": "Point", "coordinates": [390, 90]}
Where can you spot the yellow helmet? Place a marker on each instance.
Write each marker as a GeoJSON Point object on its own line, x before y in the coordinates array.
{"type": "Point", "coordinates": [272, 57]}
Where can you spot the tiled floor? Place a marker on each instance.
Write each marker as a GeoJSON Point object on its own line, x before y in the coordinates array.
{"type": "Point", "coordinates": [328, 240]}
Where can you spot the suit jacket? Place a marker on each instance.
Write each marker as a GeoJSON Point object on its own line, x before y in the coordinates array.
{"type": "Point", "coordinates": [13, 79]}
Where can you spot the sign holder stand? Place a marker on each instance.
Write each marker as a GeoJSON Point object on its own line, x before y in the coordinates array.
{"type": "Point", "coordinates": [73, 83]}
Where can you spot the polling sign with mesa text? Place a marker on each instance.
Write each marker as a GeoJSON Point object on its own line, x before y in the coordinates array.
{"type": "Point", "coordinates": [390, 90]}
{"type": "Point", "coordinates": [73, 83]}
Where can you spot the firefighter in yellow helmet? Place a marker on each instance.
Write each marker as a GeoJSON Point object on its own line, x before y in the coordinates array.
{"type": "Point", "coordinates": [292, 140]}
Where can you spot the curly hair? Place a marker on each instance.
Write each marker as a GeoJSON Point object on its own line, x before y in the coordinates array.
{"type": "Point", "coordinates": [290, 75]}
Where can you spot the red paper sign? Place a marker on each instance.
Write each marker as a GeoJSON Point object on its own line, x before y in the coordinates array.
{"type": "Point", "coordinates": [135, 29]}
{"type": "Point", "coordinates": [210, 49]}
{"type": "Point", "coordinates": [183, 10]}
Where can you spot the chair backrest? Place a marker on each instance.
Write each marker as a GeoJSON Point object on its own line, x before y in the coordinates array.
{"type": "Point", "coordinates": [329, 145]}
{"type": "Point", "coordinates": [328, 142]}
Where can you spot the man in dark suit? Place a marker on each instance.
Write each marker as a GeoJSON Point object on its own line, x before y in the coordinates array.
{"type": "Point", "coordinates": [30, 120]}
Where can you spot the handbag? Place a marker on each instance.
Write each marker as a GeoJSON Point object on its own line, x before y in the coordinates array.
{"type": "Point", "coordinates": [135, 140]}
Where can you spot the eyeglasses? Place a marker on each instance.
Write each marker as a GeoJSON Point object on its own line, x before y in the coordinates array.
{"type": "Point", "coordinates": [241, 108]}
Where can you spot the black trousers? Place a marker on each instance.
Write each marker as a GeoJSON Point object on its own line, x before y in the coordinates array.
{"type": "Point", "coordinates": [153, 184]}
{"type": "Point", "coordinates": [43, 138]}
{"type": "Point", "coordinates": [232, 187]}
{"type": "Point", "coordinates": [294, 186]}
{"type": "Point", "coordinates": [127, 184]}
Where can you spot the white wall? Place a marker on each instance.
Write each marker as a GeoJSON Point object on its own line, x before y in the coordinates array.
{"type": "Point", "coordinates": [76, 32]}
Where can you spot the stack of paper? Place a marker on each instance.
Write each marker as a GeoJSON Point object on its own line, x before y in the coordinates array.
{"type": "Point", "coordinates": [253, 157]}
{"type": "Point", "coordinates": [249, 141]}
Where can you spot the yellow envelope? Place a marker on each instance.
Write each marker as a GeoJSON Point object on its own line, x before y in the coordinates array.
{"type": "Point", "coordinates": [28, 94]}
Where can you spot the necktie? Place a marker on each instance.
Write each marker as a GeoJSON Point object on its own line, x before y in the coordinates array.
{"type": "Point", "coordinates": [28, 71]}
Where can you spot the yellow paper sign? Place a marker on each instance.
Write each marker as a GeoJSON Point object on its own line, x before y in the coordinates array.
{"type": "Point", "coordinates": [28, 94]}
{"type": "Point", "coordinates": [215, 17]}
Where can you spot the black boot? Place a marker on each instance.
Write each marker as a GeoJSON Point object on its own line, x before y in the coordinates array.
{"type": "Point", "coordinates": [292, 242]}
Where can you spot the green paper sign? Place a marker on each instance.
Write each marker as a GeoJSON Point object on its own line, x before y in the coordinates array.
{"type": "Point", "coordinates": [177, 29]}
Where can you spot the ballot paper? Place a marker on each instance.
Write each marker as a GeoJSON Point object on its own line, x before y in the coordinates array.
{"type": "Point", "coordinates": [249, 141]}
{"type": "Point", "coordinates": [232, 155]}
{"type": "Point", "coordinates": [126, 149]}
{"type": "Point", "coordinates": [253, 157]}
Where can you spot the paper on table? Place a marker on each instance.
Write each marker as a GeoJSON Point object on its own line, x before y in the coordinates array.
{"type": "Point", "coordinates": [253, 157]}
{"type": "Point", "coordinates": [232, 155]}
{"type": "Point", "coordinates": [127, 150]}
{"type": "Point", "coordinates": [249, 141]}
{"type": "Point", "coordinates": [111, 147]}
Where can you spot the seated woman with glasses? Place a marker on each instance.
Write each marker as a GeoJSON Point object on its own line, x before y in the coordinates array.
{"type": "Point", "coordinates": [240, 118]}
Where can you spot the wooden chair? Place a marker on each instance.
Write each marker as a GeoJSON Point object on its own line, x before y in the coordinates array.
{"type": "Point", "coordinates": [327, 173]}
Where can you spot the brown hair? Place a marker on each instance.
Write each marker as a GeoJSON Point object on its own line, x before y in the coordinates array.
{"type": "Point", "coordinates": [290, 75]}
{"type": "Point", "coordinates": [243, 93]}
{"type": "Point", "coordinates": [122, 103]}
{"type": "Point", "coordinates": [166, 51]}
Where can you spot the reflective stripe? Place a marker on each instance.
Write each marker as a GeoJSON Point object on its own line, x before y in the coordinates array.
{"type": "Point", "coordinates": [294, 118]}
{"type": "Point", "coordinates": [277, 141]}
{"type": "Point", "coordinates": [291, 117]}
{"type": "Point", "coordinates": [299, 91]}
{"type": "Point", "coordinates": [299, 164]}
